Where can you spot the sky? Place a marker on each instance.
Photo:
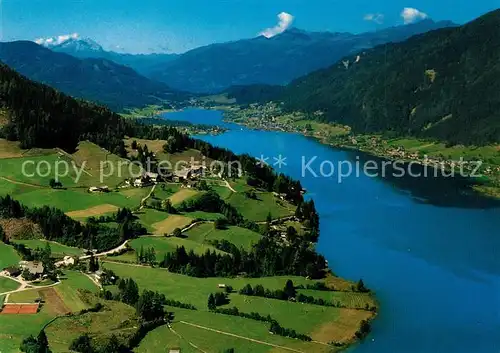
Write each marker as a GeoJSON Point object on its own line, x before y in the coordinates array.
{"type": "Point", "coordinates": [174, 26]}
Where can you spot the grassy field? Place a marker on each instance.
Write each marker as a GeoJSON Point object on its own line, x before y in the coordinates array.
{"type": "Point", "coordinates": [257, 210]}
{"type": "Point", "coordinates": [216, 342]}
{"type": "Point", "coordinates": [148, 217]}
{"type": "Point", "coordinates": [80, 201]}
{"type": "Point", "coordinates": [8, 256]}
{"type": "Point", "coordinates": [182, 195]}
{"type": "Point", "coordinates": [241, 237]}
{"type": "Point", "coordinates": [7, 285]}
{"type": "Point", "coordinates": [165, 338]}
{"type": "Point", "coordinates": [204, 215]}
{"type": "Point", "coordinates": [168, 225]}
{"type": "Point", "coordinates": [57, 300]}
{"type": "Point", "coordinates": [64, 330]}
{"type": "Point", "coordinates": [72, 282]}
{"type": "Point", "coordinates": [95, 211]}
{"type": "Point", "coordinates": [162, 245]}
{"type": "Point", "coordinates": [14, 328]}
{"type": "Point", "coordinates": [58, 250]}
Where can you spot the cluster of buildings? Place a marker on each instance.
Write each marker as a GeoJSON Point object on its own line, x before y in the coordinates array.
{"type": "Point", "coordinates": [185, 175]}
{"type": "Point", "coordinates": [35, 268]}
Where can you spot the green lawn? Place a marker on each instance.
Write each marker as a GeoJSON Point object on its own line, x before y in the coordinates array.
{"type": "Point", "coordinates": [8, 256]}
{"type": "Point", "coordinates": [7, 285]}
{"type": "Point", "coordinates": [58, 250]}
{"type": "Point", "coordinates": [257, 210]}
{"type": "Point", "coordinates": [241, 237]}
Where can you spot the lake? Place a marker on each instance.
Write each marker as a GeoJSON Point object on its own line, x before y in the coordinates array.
{"type": "Point", "coordinates": [430, 251]}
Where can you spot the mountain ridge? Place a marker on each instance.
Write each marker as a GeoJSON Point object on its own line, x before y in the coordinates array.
{"type": "Point", "coordinates": [259, 60]}
{"type": "Point", "coordinates": [95, 79]}
{"type": "Point", "coordinates": [432, 85]}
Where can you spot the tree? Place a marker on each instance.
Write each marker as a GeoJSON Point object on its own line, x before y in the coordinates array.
{"type": "Point", "coordinates": [36, 345]}
{"type": "Point", "coordinates": [150, 306]}
{"type": "Point", "coordinates": [177, 233]}
{"type": "Point", "coordinates": [219, 223]}
{"type": "Point", "coordinates": [55, 184]}
{"type": "Point", "coordinates": [133, 145]}
{"type": "Point", "coordinates": [129, 291]}
{"type": "Point", "coordinates": [93, 264]}
{"type": "Point", "coordinates": [166, 205]}
{"type": "Point", "coordinates": [82, 344]}
{"type": "Point", "coordinates": [3, 236]}
{"type": "Point", "coordinates": [360, 287]}
{"type": "Point", "coordinates": [211, 302]}
{"type": "Point", "coordinates": [289, 290]}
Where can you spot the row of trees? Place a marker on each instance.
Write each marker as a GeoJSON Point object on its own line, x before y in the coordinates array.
{"type": "Point", "coordinates": [55, 225]}
{"type": "Point", "coordinates": [267, 258]}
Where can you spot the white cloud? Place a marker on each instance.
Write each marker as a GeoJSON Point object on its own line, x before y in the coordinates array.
{"type": "Point", "coordinates": [411, 15]}
{"type": "Point", "coordinates": [378, 18]}
{"type": "Point", "coordinates": [285, 20]}
{"type": "Point", "coordinates": [53, 41]}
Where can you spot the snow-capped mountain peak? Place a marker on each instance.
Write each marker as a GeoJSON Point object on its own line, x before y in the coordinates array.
{"type": "Point", "coordinates": [70, 43]}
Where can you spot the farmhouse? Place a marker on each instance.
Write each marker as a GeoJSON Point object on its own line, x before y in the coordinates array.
{"type": "Point", "coordinates": [181, 175]}
{"type": "Point", "coordinates": [154, 177]}
{"type": "Point", "coordinates": [104, 188]}
{"type": "Point", "coordinates": [12, 271]}
{"type": "Point", "coordinates": [67, 261]}
{"type": "Point", "coordinates": [138, 183]}
{"type": "Point", "coordinates": [33, 267]}
{"type": "Point", "coordinates": [175, 350]}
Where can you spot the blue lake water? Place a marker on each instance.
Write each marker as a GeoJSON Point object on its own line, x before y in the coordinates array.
{"type": "Point", "coordinates": [431, 253]}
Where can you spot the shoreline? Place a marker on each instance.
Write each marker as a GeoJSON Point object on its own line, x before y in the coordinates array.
{"type": "Point", "coordinates": [483, 188]}
{"type": "Point", "coordinates": [330, 275]}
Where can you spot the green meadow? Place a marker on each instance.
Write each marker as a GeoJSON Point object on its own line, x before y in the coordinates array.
{"type": "Point", "coordinates": [240, 237]}
{"type": "Point", "coordinates": [8, 256]}
{"type": "Point", "coordinates": [7, 285]}
{"type": "Point", "coordinates": [58, 250]}
{"type": "Point", "coordinates": [258, 210]}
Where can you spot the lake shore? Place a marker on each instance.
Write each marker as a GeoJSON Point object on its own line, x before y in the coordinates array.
{"type": "Point", "coordinates": [481, 163]}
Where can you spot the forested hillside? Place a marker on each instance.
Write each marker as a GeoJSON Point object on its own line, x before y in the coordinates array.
{"type": "Point", "coordinates": [40, 116]}
{"type": "Point", "coordinates": [273, 61]}
{"type": "Point", "coordinates": [443, 84]}
{"type": "Point", "coordinates": [96, 79]}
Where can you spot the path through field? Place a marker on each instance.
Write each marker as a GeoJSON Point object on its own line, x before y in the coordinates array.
{"type": "Point", "coordinates": [241, 337]}
{"type": "Point", "coordinates": [26, 285]}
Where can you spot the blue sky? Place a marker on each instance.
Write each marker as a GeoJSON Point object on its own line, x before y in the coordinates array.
{"type": "Point", "coordinates": [178, 25]}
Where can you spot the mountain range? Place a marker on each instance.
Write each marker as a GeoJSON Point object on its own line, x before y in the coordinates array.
{"type": "Point", "coordinates": [443, 84]}
{"type": "Point", "coordinates": [95, 79]}
{"type": "Point", "coordinates": [85, 48]}
{"type": "Point", "coordinates": [277, 60]}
